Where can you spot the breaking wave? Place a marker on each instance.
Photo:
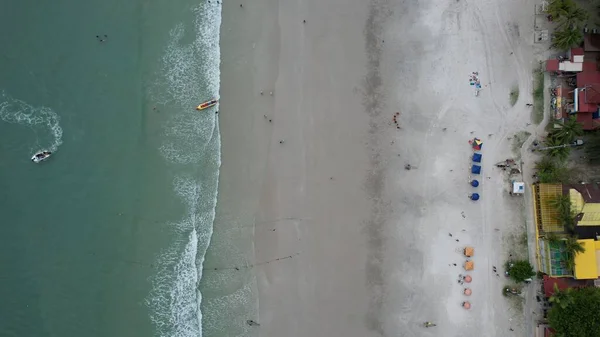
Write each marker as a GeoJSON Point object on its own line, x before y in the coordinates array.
{"type": "Point", "coordinates": [191, 147]}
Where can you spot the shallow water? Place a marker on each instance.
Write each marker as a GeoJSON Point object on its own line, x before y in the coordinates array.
{"type": "Point", "coordinates": [107, 237]}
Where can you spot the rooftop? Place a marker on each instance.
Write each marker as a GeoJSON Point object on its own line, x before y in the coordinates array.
{"type": "Point", "coordinates": [552, 65]}
{"type": "Point", "coordinates": [587, 121]}
{"type": "Point", "coordinates": [587, 77]}
{"type": "Point", "coordinates": [591, 42]}
{"type": "Point", "coordinates": [586, 263]}
{"type": "Point", "coordinates": [589, 192]}
{"type": "Point", "coordinates": [546, 215]}
{"type": "Point", "coordinates": [549, 282]}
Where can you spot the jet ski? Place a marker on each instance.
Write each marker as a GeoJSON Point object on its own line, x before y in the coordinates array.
{"type": "Point", "coordinates": [41, 156]}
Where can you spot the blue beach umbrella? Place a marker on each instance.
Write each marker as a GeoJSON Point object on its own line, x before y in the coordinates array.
{"type": "Point", "coordinates": [476, 169]}
{"type": "Point", "coordinates": [477, 157]}
{"type": "Point", "coordinates": [474, 183]}
{"type": "Point", "coordinates": [474, 196]}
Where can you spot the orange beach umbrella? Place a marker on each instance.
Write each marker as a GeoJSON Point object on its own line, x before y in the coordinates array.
{"type": "Point", "coordinates": [468, 291]}
{"type": "Point", "coordinates": [469, 265]}
{"type": "Point", "coordinates": [469, 251]}
{"type": "Point", "coordinates": [466, 305]}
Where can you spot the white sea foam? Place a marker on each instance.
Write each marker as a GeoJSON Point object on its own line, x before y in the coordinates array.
{"type": "Point", "coordinates": [15, 111]}
{"type": "Point", "coordinates": [174, 298]}
{"type": "Point", "coordinates": [190, 139]}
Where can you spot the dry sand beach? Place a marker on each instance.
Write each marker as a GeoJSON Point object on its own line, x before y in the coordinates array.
{"type": "Point", "coordinates": [356, 245]}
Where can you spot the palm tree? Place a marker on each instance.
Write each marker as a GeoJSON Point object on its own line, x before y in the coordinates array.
{"type": "Point", "coordinates": [566, 10]}
{"type": "Point", "coordinates": [570, 263]}
{"type": "Point", "coordinates": [567, 37]}
{"type": "Point", "coordinates": [558, 8]}
{"type": "Point", "coordinates": [553, 239]}
{"type": "Point", "coordinates": [561, 298]}
{"type": "Point", "coordinates": [546, 164]}
{"type": "Point", "coordinates": [567, 220]}
{"type": "Point", "coordinates": [568, 130]}
{"type": "Point", "coordinates": [572, 247]}
{"type": "Point", "coordinates": [572, 17]}
{"type": "Point", "coordinates": [557, 150]}
{"type": "Point", "coordinates": [562, 204]}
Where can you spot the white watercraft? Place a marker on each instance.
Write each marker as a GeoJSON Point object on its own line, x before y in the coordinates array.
{"type": "Point", "coordinates": [41, 156]}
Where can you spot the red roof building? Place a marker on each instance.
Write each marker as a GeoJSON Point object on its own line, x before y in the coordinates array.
{"type": "Point", "coordinates": [588, 97]}
{"type": "Point", "coordinates": [552, 65]}
{"type": "Point", "coordinates": [590, 66]}
{"type": "Point", "coordinates": [576, 54]}
{"type": "Point", "coordinates": [591, 42]}
{"type": "Point", "coordinates": [549, 283]}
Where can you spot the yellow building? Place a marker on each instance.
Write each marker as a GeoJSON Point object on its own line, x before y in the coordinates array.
{"type": "Point", "coordinates": [546, 216]}
{"type": "Point", "coordinates": [587, 264]}
{"type": "Point", "coordinates": [585, 204]}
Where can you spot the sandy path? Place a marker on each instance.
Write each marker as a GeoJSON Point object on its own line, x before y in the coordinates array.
{"type": "Point", "coordinates": [356, 245]}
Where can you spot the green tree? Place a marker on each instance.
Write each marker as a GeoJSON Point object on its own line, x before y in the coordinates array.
{"type": "Point", "coordinates": [567, 13]}
{"type": "Point", "coordinates": [558, 8]}
{"type": "Point", "coordinates": [561, 298]}
{"type": "Point", "coordinates": [567, 131]}
{"type": "Point", "coordinates": [553, 239]}
{"type": "Point", "coordinates": [567, 220]}
{"type": "Point", "coordinates": [561, 203]}
{"type": "Point", "coordinates": [554, 173]}
{"type": "Point", "coordinates": [556, 148]}
{"type": "Point", "coordinates": [569, 263]}
{"type": "Point", "coordinates": [520, 270]}
{"type": "Point", "coordinates": [573, 247]}
{"type": "Point", "coordinates": [578, 317]}
{"type": "Point", "coordinates": [570, 249]}
{"type": "Point", "coordinates": [592, 148]}
{"type": "Point", "coordinates": [573, 17]}
{"type": "Point", "coordinates": [567, 37]}
{"type": "Point", "coordinates": [545, 164]}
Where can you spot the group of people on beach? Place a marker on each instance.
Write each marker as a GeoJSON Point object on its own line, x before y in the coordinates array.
{"type": "Point", "coordinates": [395, 119]}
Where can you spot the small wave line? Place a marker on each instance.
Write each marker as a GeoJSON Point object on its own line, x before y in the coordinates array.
{"type": "Point", "coordinates": [252, 265]}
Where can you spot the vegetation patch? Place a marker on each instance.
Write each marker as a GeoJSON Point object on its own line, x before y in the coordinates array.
{"type": "Point", "coordinates": [520, 270]}
{"type": "Point", "coordinates": [538, 96]}
{"type": "Point", "coordinates": [592, 148]}
{"type": "Point", "coordinates": [552, 168]}
{"type": "Point", "coordinates": [514, 96]}
{"type": "Point", "coordinates": [569, 18]}
{"type": "Point", "coordinates": [575, 312]}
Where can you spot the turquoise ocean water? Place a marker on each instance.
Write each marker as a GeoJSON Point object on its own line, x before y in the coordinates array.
{"type": "Point", "coordinates": [108, 237]}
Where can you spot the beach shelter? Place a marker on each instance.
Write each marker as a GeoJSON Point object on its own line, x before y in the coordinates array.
{"type": "Point", "coordinates": [476, 143]}
{"type": "Point", "coordinates": [467, 291]}
{"type": "Point", "coordinates": [477, 157]}
{"type": "Point", "coordinates": [469, 251]}
{"type": "Point", "coordinates": [476, 169]}
{"type": "Point", "coordinates": [468, 278]}
{"type": "Point", "coordinates": [466, 305]}
{"type": "Point", "coordinates": [518, 187]}
{"type": "Point", "coordinates": [469, 265]}
{"type": "Point", "coordinates": [474, 183]}
{"type": "Point", "coordinates": [474, 196]}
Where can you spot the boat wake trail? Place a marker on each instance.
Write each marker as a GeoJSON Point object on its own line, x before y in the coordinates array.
{"type": "Point", "coordinates": [16, 111]}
